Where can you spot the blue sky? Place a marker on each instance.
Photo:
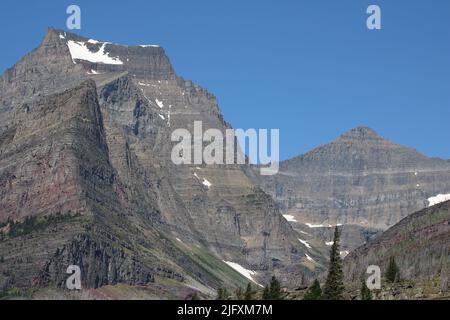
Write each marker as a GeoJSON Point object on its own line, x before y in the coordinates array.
{"type": "Point", "coordinates": [310, 68]}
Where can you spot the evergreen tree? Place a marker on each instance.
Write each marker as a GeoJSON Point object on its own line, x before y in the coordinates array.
{"type": "Point", "coordinates": [266, 293]}
{"type": "Point", "coordinates": [275, 289]}
{"type": "Point", "coordinates": [366, 294]}
{"type": "Point", "coordinates": [222, 294]}
{"type": "Point", "coordinates": [334, 285]}
{"type": "Point", "coordinates": [392, 272]}
{"type": "Point", "coordinates": [249, 292]}
{"type": "Point", "coordinates": [239, 294]}
{"type": "Point", "coordinates": [195, 296]}
{"type": "Point", "coordinates": [314, 291]}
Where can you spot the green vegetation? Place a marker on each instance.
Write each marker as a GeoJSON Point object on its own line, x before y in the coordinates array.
{"type": "Point", "coordinates": [392, 272]}
{"type": "Point", "coordinates": [222, 294]}
{"type": "Point", "coordinates": [366, 294]}
{"type": "Point", "coordinates": [33, 223]}
{"type": "Point", "coordinates": [273, 290]}
{"type": "Point", "coordinates": [249, 293]}
{"type": "Point", "coordinates": [314, 292]}
{"type": "Point", "coordinates": [334, 285]}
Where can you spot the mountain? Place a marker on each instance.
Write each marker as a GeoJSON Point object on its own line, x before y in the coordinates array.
{"type": "Point", "coordinates": [86, 178]}
{"type": "Point", "coordinates": [420, 244]}
{"type": "Point", "coordinates": [360, 180]}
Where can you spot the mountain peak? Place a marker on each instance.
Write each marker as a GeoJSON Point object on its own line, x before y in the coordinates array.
{"type": "Point", "coordinates": [360, 133]}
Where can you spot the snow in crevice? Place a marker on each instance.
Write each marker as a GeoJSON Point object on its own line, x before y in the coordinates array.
{"type": "Point", "coordinates": [159, 103]}
{"type": "Point", "coordinates": [204, 181]}
{"type": "Point", "coordinates": [79, 51]}
{"type": "Point", "coordinates": [432, 201]}
{"type": "Point", "coordinates": [161, 116]}
{"type": "Point", "coordinates": [245, 272]}
{"type": "Point", "coordinates": [305, 243]}
{"type": "Point", "coordinates": [309, 258]}
{"type": "Point", "coordinates": [93, 72]}
{"type": "Point", "coordinates": [311, 225]}
{"type": "Point", "coordinates": [289, 217]}
{"type": "Point", "coordinates": [330, 243]}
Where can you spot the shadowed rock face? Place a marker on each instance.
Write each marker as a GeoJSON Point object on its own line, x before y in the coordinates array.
{"type": "Point", "coordinates": [360, 180]}
{"type": "Point", "coordinates": [420, 244]}
{"type": "Point", "coordinates": [85, 161]}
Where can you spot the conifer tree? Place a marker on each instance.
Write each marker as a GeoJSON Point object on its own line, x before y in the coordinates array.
{"type": "Point", "coordinates": [366, 294]}
{"type": "Point", "coordinates": [222, 294]}
{"type": "Point", "coordinates": [334, 285]}
{"type": "Point", "coordinates": [239, 294]}
{"type": "Point", "coordinates": [275, 289]}
{"type": "Point", "coordinates": [249, 292]}
{"type": "Point", "coordinates": [266, 293]}
{"type": "Point", "coordinates": [392, 272]}
{"type": "Point", "coordinates": [314, 291]}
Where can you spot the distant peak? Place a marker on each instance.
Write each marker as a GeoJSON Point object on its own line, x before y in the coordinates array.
{"type": "Point", "coordinates": [361, 133]}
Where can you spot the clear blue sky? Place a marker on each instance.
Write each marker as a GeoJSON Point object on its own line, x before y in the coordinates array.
{"type": "Point", "coordinates": [310, 68]}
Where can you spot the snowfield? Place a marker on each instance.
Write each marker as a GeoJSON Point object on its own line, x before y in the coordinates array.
{"type": "Point", "coordinates": [289, 218]}
{"type": "Point", "coordinates": [306, 244]}
{"type": "Point", "coordinates": [438, 199]}
{"type": "Point", "coordinates": [245, 272]}
{"type": "Point", "coordinates": [79, 50]}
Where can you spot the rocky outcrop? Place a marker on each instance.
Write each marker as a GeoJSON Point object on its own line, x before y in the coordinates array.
{"type": "Point", "coordinates": [89, 142]}
{"type": "Point", "coordinates": [420, 244]}
{"type": "Point", "coordinates": [359, 180]}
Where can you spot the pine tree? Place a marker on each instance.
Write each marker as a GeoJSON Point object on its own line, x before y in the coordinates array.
{"type": "Point", "coordinates": [392, 272]}
{"type": "Point", "coordinates": [195, 296]}
{"type": "Point", "coordinates": [334, 285]}
{"type": "Point", "coordinates": [275, 289]}
{"type": "Point", "coordinates": [239, 294]}
{"type": "Point", "coordinates": [249, 292]}
{"type": "Point", "coordinates": [366, 294]}
{"type": "Point", "coordinates": [222, 294]}
{"type": "Point", "coordinates": [266, 293]}
{"type": "Point", "coordinates": [314, 291]}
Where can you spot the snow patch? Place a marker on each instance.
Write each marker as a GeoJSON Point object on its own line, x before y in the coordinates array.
{"type": "Point", "coordinates": [79, 50]}
{"type": "Point", "coordinates": [159, 103]}
{"type": "Point", "coordinates": [289, 217]}
{"type": "Point", "coordinates": [93, 72]}
{"type": "Point", "coordinates": [149, 45]}
{"type": "Point", "coordinates": [309, 258]}
{"type": "Point", "coordinates": [161, 116]}
{"type": "Point", "coordinates": [61, 36]}
{"type": "Point", "coordinates": [310, 225]}
{"type": "Point", "coordinates": [245, 272]}
{"type": "Point", "coordinates": [344, 253]}
{"type": "Point", "coordinates": [438, 199]}
{"type": "Point", "coordinates": [330, 243]}
{"type": "Point", "coordinates": [206, 183]}
{"type": "Point", "coordinates": [305, 243]}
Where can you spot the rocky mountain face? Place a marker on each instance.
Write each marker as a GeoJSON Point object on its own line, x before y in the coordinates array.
{"type": "Point", "coordinates": [420, 244]}
{"type": "Point", "coordinates": [360, 180]}
{"type": "Point", "coordinates": [86, 178]}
